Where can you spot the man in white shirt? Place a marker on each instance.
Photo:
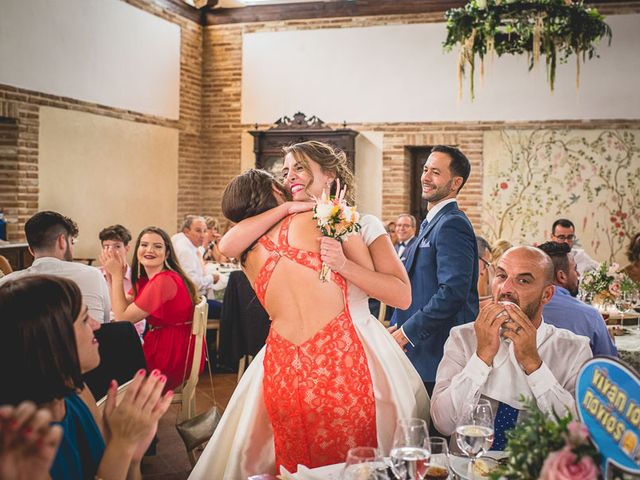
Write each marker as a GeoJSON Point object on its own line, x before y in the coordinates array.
{"type": "Point", "coordinates": [406, 233]}
{"type": "Point", "coordinates": [187, 245]}
{"type": "Point", "coordinates": [509, 351]}
{"type": "Point", "coordinates": [564, 231]}
{"type": "Point", "coordinates": [51, 237]}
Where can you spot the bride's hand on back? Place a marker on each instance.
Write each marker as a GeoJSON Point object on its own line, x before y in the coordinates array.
{"type": "Point", "coordinates": [299, 207]}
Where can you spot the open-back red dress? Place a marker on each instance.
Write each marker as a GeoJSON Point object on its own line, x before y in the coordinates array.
{"type": "Point", "coordinates": [318, 394]}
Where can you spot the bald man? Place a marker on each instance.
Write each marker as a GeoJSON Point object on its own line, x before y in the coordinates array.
{"type": "Point", "coordinates": [509, 351]}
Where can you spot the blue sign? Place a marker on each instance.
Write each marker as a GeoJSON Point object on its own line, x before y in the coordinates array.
{"type": "Point", "coordinates": [608, 401]}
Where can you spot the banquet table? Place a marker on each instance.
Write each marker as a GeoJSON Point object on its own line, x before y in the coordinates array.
{"type": "Point", "coordinates": [244, 324]}
{"type": "Point", "coordinates": [629, 347]}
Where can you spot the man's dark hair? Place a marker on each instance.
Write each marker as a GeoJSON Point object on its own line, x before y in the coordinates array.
{"type": "Point", "coordinates": [459, 166]}
{"type": "Point", "coordinates": [483, 246]}
{"type": "Point", "coordinates": [563, 222]}
{"type": "Point", "coordinates": [633, 252]}
{"type": "Point", "coordinates": [117, 233]}
{"type": "Point", "coordinates": [38, 352]}
{"type": "Point", "coordinates": [559, 253]}
{"type": "Point", "coordinates": [43, 229]}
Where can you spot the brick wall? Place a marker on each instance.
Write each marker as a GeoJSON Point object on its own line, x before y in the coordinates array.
{"type": "Point", "coordinates": [222, 127]}
{"type": "Point", "coordinates": [20, 199]}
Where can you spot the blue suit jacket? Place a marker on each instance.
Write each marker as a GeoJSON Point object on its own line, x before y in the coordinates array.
{"type": "Point", "coordinates": [443, 268]}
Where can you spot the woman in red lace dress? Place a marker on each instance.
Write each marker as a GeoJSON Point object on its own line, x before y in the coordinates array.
{"type": "Point", "coordinates": [162, 294]}
{"type": "Point", "coordinates": [317, 387]}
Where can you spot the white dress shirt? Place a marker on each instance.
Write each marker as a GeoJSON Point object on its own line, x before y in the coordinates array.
{"type": "Point", "coordinates": [95, 292]}
{"type": "Point", "coordinates": [462, 375]}
{"type": "Point", "coordinates": [191, 262]}
{"type": "Point", "coordinates": [437, 207]}
{"type": "Point", "coordinates": [402, 246]}
{"type": "Point", "coordinates": [584, 262]}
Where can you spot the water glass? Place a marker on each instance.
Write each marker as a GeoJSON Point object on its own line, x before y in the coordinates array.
{"type": "Point", "coordinates": [410, 450]}
{"type": "Point", "coordinates": [364, 463]}
{"type": "Point", "coordinates": [439, 466]}
{"type": "Point", "coordinates": [474, 430]}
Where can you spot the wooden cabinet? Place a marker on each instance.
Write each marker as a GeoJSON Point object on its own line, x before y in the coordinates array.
{"type": "Point", "coordinates": [268, 144]}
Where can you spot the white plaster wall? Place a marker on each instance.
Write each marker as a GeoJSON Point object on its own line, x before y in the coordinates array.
{"type": "Point", "coordinates": [101, 170]}
{"type": "Point", "coordinates": [369, 172]}
{"type": "Point", "coordinates": [102, 51]}
{"type": "Point", "coordinates": [399, 73]}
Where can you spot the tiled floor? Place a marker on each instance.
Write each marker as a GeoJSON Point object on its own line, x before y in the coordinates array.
{"type": "Point", "coordinates": [171, 461]}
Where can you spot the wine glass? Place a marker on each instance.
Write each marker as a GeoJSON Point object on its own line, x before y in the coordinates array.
{"type": "Point", "coordinates": [624, 304]}
{"type": "Point", "coordinates": [439, 467]}
{"type": "Point", "coordinates": [474, 431]}
{"type": "Point", "coordinates": [410, 451]}
{"type": "Point", "coordinates": [364, 463]}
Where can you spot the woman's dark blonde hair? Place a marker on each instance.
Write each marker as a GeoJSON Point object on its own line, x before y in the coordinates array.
{"type": "Point", "coordinates": [331, 161]}
{"type": "Point", "coordinates": [171, 263]}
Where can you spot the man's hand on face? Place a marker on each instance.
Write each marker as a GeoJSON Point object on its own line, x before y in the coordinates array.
{"type": "Point", "coordinates": [523, 335]}
{"type": "Point", "coordinates": [487, 328]}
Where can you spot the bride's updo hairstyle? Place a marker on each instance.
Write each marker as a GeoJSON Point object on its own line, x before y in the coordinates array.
{"type": "Point", "coordinates": [331, 161]}
{"type": "Point", "coordinates": [250, 194]}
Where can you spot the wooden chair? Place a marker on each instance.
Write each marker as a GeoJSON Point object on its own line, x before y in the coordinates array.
{"type": "Point", "coordinates": [244, 362]}
{"type": "Point", "coordinates": [187, 394]}
{"type": "Point", "coordinates": [382, 314]}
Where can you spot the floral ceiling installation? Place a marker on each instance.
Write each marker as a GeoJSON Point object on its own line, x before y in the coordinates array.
{"type": "Point", "coordinates": [553, 28]}
{"type": "Point", "coordinates": [533, 177]}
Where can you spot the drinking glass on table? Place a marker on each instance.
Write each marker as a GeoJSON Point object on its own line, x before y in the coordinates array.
{"type": "Point", "coordinates": [410, 450]}
{"type": "Point", "coordinates": [474, 431]}
{"type": "Point", "coordinates": [439, 466]}
{"type": "Point", "coordinates": [364, 463]}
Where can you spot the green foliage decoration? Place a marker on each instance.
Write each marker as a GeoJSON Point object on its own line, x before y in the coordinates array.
{"type": "Point", "coordinates": [553, 28]}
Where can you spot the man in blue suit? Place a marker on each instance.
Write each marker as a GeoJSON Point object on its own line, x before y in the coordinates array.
{"type": "Point", "coordinates": [442, 264]}
{"type": "Point", "coordinates": [405, 233]}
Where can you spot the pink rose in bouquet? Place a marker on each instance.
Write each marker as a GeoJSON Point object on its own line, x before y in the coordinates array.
{"type": "Point", "coordinates": [564, 465]}
{"type": "Point", "coordinates": [578, 434]}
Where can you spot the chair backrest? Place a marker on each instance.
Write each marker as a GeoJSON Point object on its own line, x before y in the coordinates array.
{"type": "Point", "coordinates": [119, 396]}
{"type": "Point", "coordinates": [199, 330]}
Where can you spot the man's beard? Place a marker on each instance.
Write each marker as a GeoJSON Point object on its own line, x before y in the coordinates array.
{"type": "Point", "coordinates": [439, 193]}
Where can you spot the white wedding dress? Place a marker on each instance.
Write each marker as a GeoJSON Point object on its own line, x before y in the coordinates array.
{"type": "Point", "coordinates": [242, 444]}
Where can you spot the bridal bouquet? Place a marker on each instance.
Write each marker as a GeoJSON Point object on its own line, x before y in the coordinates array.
{"type": "Point", "coordinates": [336, 219]}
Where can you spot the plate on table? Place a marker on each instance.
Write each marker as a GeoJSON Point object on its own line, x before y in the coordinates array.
{"type": "Point", "coordinates": [484, 466]}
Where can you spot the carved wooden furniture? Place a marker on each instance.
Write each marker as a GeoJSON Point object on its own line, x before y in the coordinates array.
{"type": "Point", "coordinates": [268, 144]}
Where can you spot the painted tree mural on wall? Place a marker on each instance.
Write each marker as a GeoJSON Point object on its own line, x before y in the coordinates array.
{"type": "Point", "coordinates": [592, 177]}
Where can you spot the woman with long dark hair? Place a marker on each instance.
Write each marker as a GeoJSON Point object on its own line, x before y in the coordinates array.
{"type": "Point", "coordinates": [46, 344]}
{"type": "Point", "coordinates": [161, 293]}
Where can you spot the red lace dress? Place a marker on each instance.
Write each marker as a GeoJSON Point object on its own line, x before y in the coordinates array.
{"type": "Point", "coordinates": [170, 308]}
{"type": "Point", "coordinates": [318, 394]}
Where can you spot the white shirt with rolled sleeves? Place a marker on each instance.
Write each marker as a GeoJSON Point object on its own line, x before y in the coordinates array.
{"type": "Point", "coordinates": [93, 286]}
{"type": "Point", "coordinates": [191, 262]}
{"type": "Point", "coordinates": [462, 375]}
{"type": "Point", "coordinates": [584, 262]}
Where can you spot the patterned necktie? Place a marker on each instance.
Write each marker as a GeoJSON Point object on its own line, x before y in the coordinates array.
{"type": "Point", "coordinates": [506, 419]}
{"type": "Point", "coordinates": [423, 225]}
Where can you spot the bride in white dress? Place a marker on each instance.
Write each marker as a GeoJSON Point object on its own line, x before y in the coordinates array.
{"type": "Point", "coordinates": [242, 444]}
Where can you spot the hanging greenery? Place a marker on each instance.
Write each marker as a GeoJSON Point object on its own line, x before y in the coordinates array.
{"type": "Point", "coordinates": [553, 28]}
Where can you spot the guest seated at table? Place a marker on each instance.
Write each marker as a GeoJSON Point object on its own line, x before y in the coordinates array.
{"type": "Point", "coordinates": [45, 346]}
{"type": "Point", "coordinates": [566, 311]}
{"type": "Point", "coordinates": [633, 254]}
{"type": "Point", "coordinates": [564, 231]}
{"type": "Point", "coordinates": [212, 252]}
{"type": "Point", "coordinates": [509, 351]}
{"type": "Point", "coordinates": [329, 378]}
{"type": "Point", "coordinates": [5, 266]}
{"type": "Point", "coordinates": [51, 237]}
{"type": "Point", "coordinates": [187, 245]}
{"type": "Point", "coordinates": [116, 238]}
{"type": "Point", "coordinates": [164, 295]}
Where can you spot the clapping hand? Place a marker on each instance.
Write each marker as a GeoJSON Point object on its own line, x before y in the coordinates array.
{"type": "Point", "coordinates": [522, 333]}
{"type": "Point", "coordinates": [134, 421]}
{"type": "Point", "coordinates": [28, 443]}
{"type": "Point", "coordinates": [113, 263]}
